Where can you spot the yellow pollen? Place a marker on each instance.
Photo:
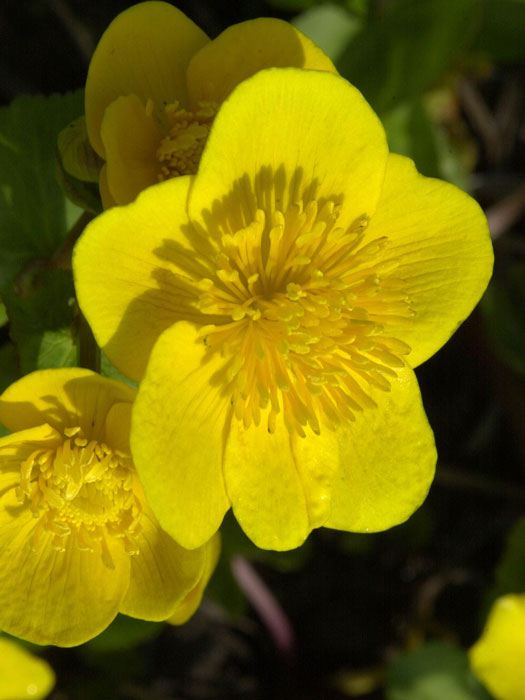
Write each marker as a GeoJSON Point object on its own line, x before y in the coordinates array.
{"type": "Point", "coordinates": [180, 150]}
{"type": "Point", "coordinates": [301, 312]}
{"type": "Point", "coordinates": [81, 490]}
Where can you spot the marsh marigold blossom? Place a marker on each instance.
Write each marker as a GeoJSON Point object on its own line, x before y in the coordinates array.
{"type": "Point", "coordinates": [274, 307]}
{"type": "Point", "coordinates": [155, 83]}
{"type": "Point", "coordinates": [78, 541]}
{"type": "Point", "coordinates": [498, 657]}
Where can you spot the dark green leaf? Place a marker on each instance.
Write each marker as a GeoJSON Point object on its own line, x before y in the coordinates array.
{"type": "Point", "coordinates": [34, 217]}
{"type": "Point", "coordinates": [406, 50]}
{"type": "Point", "coordinates": [8, 372]}
{"type": "Point", "coordinates": [85, 195]}
{"type": "Point", "coordinates": [293, 5]}
{"type": "Point", "coordinates": [124, 633]}
{"type": "Point", "coordinates": [510, 572]}
{"type": "Point", "coordinates": [410, 133]}
{"type": "Point", "coordinates": [435, 671]}
{"type": "Point", "coordinates": [360, 8]}
{"type": "Point", "coordinates": [502, 32]}
{"type": "Point", "coordinates": [330, 26]}
{"type": "Point", "coordinates": [109, 370]}
{"type": "Point", "coordinates": [8, 369]}
{"type": "Point", "coordinates": [41, 322]}
{"type": "Point", "coordinates": [223, 588]}
{"type": "Point", "coordinates": [3, 315]}
{"type": "Point", "coordinates": [502, 307]}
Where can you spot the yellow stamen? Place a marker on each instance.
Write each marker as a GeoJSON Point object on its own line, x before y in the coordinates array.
{"type": "Point", "coordinates": [83, 489]}
{"type": "Point", "coordinates": [304, 306]}
{"type": "Point", "coordinates": [180, 150]}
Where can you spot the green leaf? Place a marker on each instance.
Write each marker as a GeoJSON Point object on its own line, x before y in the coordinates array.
{"type": "Point", "coordinates": [8, 369]}
{"type": "Point", "coordinates": [502, 32]}
{"type": "Point", "coordinates": [435, 671]}
{"type": "Point", "coordinates": [33, 213]}
{"type": "Point", "coordinates": [361, 8]}
{"type": "Point", "coordinates": [3, 315]}
{"type": "Point", "coordinates": [293, 5]}
{"type": "Point", "coordinates": [406, 50]}
{"type": "Point", "coordinates": [8, 372]}
{"type": "Point", "coordinates": [41, 322]}
{"type": "Point", "coordinates": [331, 27]}
{"type": "Point", "coordinates": [410, 133]}
{"type": "Point", "coordinates": [510, 572]}
{"type": "Point", "coordinates": [124, 633]}
{"type": "Point", "coordinates": [223, 587]}
{"type": "Point", "coordinates": [109, 370]}
{"type": "Point", "coordinates": [502, 306]}
{"type": "Point", "coordinates": [224, 591]}
{"type": "Point", "coordinates": [84, 195]}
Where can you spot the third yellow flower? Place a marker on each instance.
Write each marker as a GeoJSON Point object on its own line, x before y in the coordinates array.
{"type": "Point", "coordinates": [155, 83]}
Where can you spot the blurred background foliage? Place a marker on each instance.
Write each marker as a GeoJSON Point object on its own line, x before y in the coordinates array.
{"type": "Point", "coordinates": [389, 615]}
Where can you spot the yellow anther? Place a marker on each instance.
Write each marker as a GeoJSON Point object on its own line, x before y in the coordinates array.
{"type": "Point", "coordinates": [318, 301]}
{"type": "Point", "coordinates": [180, 150]}
{"type": "Point", "coordinates": [238, 313]}
{"type": "Point", "coordinates": [73, 490]}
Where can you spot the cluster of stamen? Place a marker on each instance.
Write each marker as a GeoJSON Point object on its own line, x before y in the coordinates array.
{"type": "Point", "coordinates": [81, 489]}
{"type": "Point", "coordinates": [304, 307]}
{"type": "Point", "coordinates": [180, 150]}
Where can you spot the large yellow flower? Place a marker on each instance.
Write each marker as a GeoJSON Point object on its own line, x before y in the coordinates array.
{"type": "Point", "coordinates": [274, 307]}
{"type": "Point", "coordinates": [78, 541]}
{"type": "Point", "coordinates": [155, 83]}
{"type": "Point", "coordinates": [498, 657]}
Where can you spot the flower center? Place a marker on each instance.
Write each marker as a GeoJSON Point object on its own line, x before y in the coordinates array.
{"type": "Point", "coordinates": [81, 488]}
{"type": "Point", "coordinates": [180, 150]}
{"type": "Point", "coordinates": [305, 306]}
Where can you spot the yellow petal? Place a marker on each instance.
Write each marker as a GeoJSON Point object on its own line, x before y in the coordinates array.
{"type": "Point", "coordinates": [497, 657]}
{"type": "Point", "coordinates": [387, 459]}
{"type": "Point", "coordinates": [66, 397]}
{"type": "Point", "coordinates": [279, 485]}
{"type": "Point", "coordinates": [52, 597]}
{"type": "Point", "coordinates": [439, 236]}
{"type": "Point", "coordinates": [23, 675]}
{"type": "Point", "coordinates": [145, 52]}
{"type": "Point", "coordinates": [192, 601]}
{"type": "Point", "coordinates": [311, 135]}
{"type": "Point", "coordinates": [130, 304]}
{"type": "Point", "coordinates": [131, 138]}
{"type": "Point", "coordinates": [177, 436]}
{"type": "Point", "coordinates": [162, 573]}
{"type": "Point", "coordinates": [246, 48]}
{"type": "Point", "coordinates": [264, 487]}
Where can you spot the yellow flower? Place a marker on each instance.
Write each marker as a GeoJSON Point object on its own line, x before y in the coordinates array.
{"type": "Point", "coordinates": [498, 657]}
{"type": "Point", "coordinates": [78, 541]}
{"type": "Point", "coordinates": [275, 305]}
{"type": "Point", "coordinates": [23, 675]}
{"type": "Point", "coordinates": [155, 83]}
